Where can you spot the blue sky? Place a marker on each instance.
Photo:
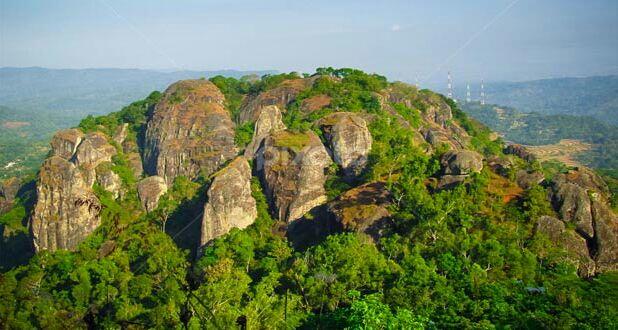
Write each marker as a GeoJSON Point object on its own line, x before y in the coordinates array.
{"type": "Point", "coordinates": [525, 39]}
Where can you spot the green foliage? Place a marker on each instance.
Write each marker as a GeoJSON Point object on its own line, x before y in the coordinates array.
{"type": "Point", "coordinates": [459, 258]}
{"type": "Point", "coordinates": [234, 91]}
{"type": "Point", "coordinates": [243, 134]}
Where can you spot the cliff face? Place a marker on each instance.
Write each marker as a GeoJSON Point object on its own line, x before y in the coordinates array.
{"type": "Point", "coordinates": [189, 132]}
{"type": "Point", "coordinates": [66, 210]}
{"type": "Point", "coordinates": [291, 166]}
{"type": "Point", "coordinates": [349, 140]}
{"type": "Point", "coordinates": [230, 203]}
{"type": "Point", "coordinates": [581, 198]}
{"type": "Point", "coordinates": [268, 122]}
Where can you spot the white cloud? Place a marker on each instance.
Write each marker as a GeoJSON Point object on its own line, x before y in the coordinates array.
{"type": "Point", "coordinates": [395, 27]}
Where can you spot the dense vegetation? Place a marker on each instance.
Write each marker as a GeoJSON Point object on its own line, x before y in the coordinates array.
{"type": "Point", "coordinates": [461, 258]}
{"type": "Point", "coordinates": [538, 129]}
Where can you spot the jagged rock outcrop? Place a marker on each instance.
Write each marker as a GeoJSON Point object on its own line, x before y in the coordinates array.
{"type": "Point", "coordinates": [150, 190]}
{"type": "Point", "coordinates": [349, 140]}
{"type": "Point", "coordinates": [528, 179]}
{"type": "Point", "coordinates": [457, 166]}
{"type": "Point", "coordinates": [519, 151]}
{"type": "Point", "coordinates": [280, 96]}
{"type": "Point", "coordinates": [268, 122]}
{"type": "Point", "coordinates": [230, 203]}
{"type": "Point", "coordinates": [574, 244]}
{"type": "Point", "coordinates": [109, 180]}
{"type": "Point", "coordinates": [315, 103]}
{"type": "Point", "coordinates": [121, 133]}
{"type": "Point", "coordinates": [64, 143]}
{"type": "Point", "coordinates": [437, 126]}
{"type": "Point", "coordinates": [363, 209]}
{"type": "Point", "coordinates": [500, 165]}
{"type": "Point", "coordinates": [189, 132]}
{"type": "Point", "coordinates": [581, 197]}
{"type": "Point", "coordinates": [461, 162]}
{"type": "Point", "coordinates": [66, 210]}
{"type": "Point", "coordinates": [135, 163]}
{"type": "Point", "coordinates": [9, 188]}
{"type": "Point", "coordinates": [92, 151]}
{"type": "Point", "coordinates": [291, 167]}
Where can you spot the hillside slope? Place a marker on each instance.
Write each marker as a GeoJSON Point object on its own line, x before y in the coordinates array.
{"type": "Point", "coordinates": [332, 200]}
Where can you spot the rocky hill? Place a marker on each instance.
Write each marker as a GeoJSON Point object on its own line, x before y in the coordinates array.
{"type": "Point", "coordinates": [327, 200]}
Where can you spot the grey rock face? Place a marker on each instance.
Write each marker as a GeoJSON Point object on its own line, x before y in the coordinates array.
{"type": "Point", "coordinates": [268, 122]}
{"type": "Point", "coordinates": [575, 245]}
{"type": "Point", "coordinates": [150, 190]}
{"type": "Point", "coordinates": [64, 143]}
{"type": "Point", "coordinates": [349, 140]}
{"type": "Point", "coordinates": [109, 180]}
{"type": "Point", "coordinates": [527, 180]}
{"type": "Point", "coordinates": [580, 197]}
{"type": "Point", "coordinates": [92, 151]}
{"type": "Point", "coordinates": [9, 189]}
{"type": "Point", "coordinates": [121, 133]}
{"type": "Point", "coordinates": [66, 210]}
{"type": "Point", "coordinates": [189, 132]}
{"type": "Point", "coordinates": [462, 162]}
{"type": "Point", "coordinates": [280, 96]}
{"type": "Point", "coordinates": [230, 203]}
{"type": "Point", "coordinates": [292, 166]}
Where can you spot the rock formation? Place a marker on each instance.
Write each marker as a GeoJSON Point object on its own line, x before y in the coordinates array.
{"type": "Point", "coordinates": [580, 197]}
{"type": "Point", "coordinates": [457, 166]}
{"type": "Point", "coordinates": [230, 203]}
{"type": "Point", "coordinates": [9, 188]}
{"type": "Point", "coordinates": [64, 143]}
{"type": "Point", "coordinates": [363, 209]}
{"type": "Point", "coordinates": [349, 140]}
{"type": "Point", "coordinates": [280, 96]}
{"type": "Point", "coordinates": [527, 179]}
{"type": "Point", "coordinates": [291, 167]}
{"type": "Point", "coordinates": [268, 122]}
{"type": "Point", "coordinates": [66, 210]}
{"type": "Point", "coordinates": [92, 151]}
{"type": "Point", "coordinates": [574, 244]}
{"type": "Point", "coordinates": [189, 132]}
{"type": "Point", "coordinates": [519, 151]}
{"type": "Point", "coordinates": [109, 180]}
{"type": "Point", "coordinates": [150, 190]}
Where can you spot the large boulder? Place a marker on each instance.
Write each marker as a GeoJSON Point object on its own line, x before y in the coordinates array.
{"type": "Point", "coordinates": [150, 190]}
{"type": "Point", "coordinates": [462, 162]}
{"type": "Point", "coordinates": [292, 168]}
{"type": "Point", "coordinates": [528, 179]}
{"type": "Point", "coordinates": [64, 143]}
{"type": "Point", "coordinates": [581, 197]}
{"type": "Point", "coordinates": [230, 203]}
{"type": "Point", "coordinates": [349, 140]}
{"type": "Point", "coordinates": [66, 210]}
{"type": "Point", "coordinates": [519, 151]}
{"type": "Point", "coordinates": [363, 209]}
{"type": "Point", "coordinates": [574, 244]}
{"type": "Point", "coordinates": [282, 95]}
{"type": "Point", "coordinates": [189, 132]}
{"type": "Point", "coordinates": [268, 122]}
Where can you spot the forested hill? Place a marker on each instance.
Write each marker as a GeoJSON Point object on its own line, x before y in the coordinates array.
{"type": "Point", "coordinates": [332, 200]}
{"type": "Point", "coordinates": [592, 96]}
{"type": "Point", "coordinates": [541, 129]}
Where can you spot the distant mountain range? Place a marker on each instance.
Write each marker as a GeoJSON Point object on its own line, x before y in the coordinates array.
{"type": "Point", "coordinates": [592, 96]}
{"type": "Point", "coordinates": [80, 92]}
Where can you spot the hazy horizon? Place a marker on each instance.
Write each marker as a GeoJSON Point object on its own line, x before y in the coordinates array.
{"type": "Point", "coordinates": [506, 40]}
